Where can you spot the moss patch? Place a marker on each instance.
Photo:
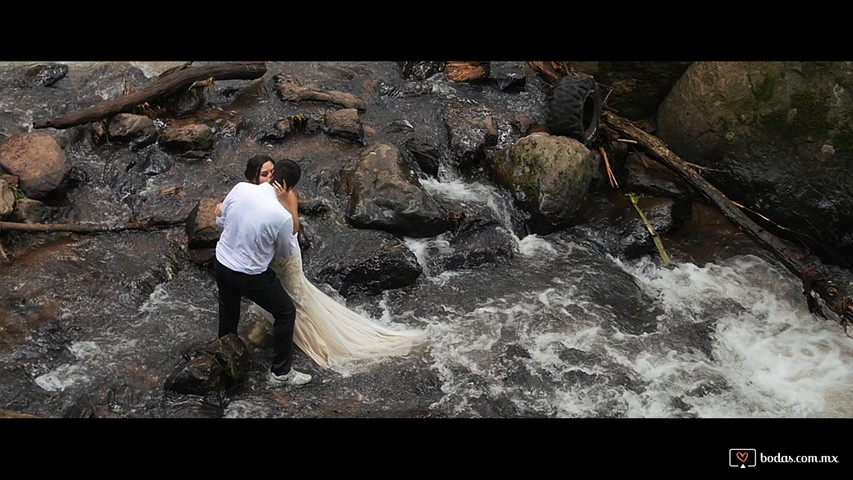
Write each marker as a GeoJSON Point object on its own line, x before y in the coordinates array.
{"type": "Point", "coordinates": [811, 118]}
{"type": "Point", "coordinates": [812, 69]}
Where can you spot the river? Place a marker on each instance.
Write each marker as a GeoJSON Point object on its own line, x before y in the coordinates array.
{"type": "Point", "coordinates": [559, 331]}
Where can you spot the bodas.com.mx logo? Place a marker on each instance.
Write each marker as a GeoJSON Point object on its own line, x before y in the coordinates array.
{"type": "Point", "coordinates": [742, 457]}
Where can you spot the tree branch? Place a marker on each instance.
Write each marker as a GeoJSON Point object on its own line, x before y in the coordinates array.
{"type": "Point", "coordinates": [164, 86]}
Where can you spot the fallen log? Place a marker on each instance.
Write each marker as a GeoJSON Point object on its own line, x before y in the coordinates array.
{"type": "Point", "coordinates": [816, 285]}
{"type": "Point", "coordinates": [166, 85]}
{"type": "Point", "coordinates": [69, 227]}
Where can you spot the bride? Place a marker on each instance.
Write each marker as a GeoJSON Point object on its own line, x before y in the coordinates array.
{"type": "Point", "coordinates": [326, 330]}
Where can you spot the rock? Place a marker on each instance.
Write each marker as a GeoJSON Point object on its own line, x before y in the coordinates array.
{"type": "Point", "coordinates": [29, 210]}
{"type": "Point", "coordinates": [356, 260]}
{"type": "Point", "coordinates": [648, 177]}
{"type": "Point", "coordinates": [195, 137]}
{"type": "Point", "coordinates": [37, 160]}
{"type": "Point", "coordinates": [471, 132]}
{"type": "Point", "coordinates": [384, 193]}
{"type": "Point", "coordinates": [46, 75]}
{"type": "Point", "coordinates": [345, 124]}
{"type": "Point", "coordinates": [12, 180]}
{"type": "Point", "coordinates": [421, 70]}
{"type": "Point", "coordinates": [471, 248]}
{"type": "Point", "coordinates": [214, 367]}
{"type": "Point", "coordinates": [774, 137]}
{"type": "Point", "coordinates": [426, 155]}
{"type": "Point", "coordinates": [201, 229]}
{"type": "Point", "coordinates": [549, 177]}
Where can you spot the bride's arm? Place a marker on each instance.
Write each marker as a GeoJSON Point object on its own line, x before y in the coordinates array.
{"type": "Point", "coordinates": [289, 201]}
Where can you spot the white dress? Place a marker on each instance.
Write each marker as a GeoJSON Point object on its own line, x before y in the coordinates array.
{"type": "Point", "coordinates": [329, 332]}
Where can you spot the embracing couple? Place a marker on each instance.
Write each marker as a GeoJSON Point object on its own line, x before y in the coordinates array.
{"type": "Point", "coordinates": [258, 257]}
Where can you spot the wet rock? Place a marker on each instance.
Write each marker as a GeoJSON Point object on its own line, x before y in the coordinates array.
{"type": "Point", "coordinates": [345, 124]}
{"type": "Point", "coordinates": [46, 75]}
{"type": "Point", "coordinates": [621, 231]}
{"type": "Point", "coordinates": [425, 154]}
{"type": "Point", "coordinates": [421, 70]}
{"type": "Point", "coordinates": [648, 177]}
{"type": "Point", "coordinates": [476, 238]}
{"type": "Point", "coordinates": [29, 210]}
{"type": "Point", "coordinates": [154, 161]}
{"type": "Point", "coordinates": [664, 215]}
{"type": "Point", "coordinates": [471, 130]}
{"type": "Point", "coordinates": [216, 366]}
{"type": "Point", "coordinates": [37, 160]}
{"type": "Point", "coordinates": [774, 137]}
{"type": "Point", "coordinates": [353, 260]}
{"type": "Point", "coordinates": [187, 138]}
{"type": "Point", "coordinates": [201, 228]}
{"type": "Point", "coordinates": [549, 177]}
{"type": "Point", "coordinates": [384, 193]}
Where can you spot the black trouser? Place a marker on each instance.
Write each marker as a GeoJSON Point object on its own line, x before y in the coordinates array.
{"type": "Point", "coordinates": [265, 290]}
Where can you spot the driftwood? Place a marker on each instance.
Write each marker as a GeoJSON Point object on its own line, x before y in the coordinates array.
{"type": "Point", "coordinates": [289, 90]}
{"type": "Point", "coordinates": [815, 283]}
{"type": "Point", "coordinates": [166, 85]}
{"type": "Point", "coordinates": [552, 72]}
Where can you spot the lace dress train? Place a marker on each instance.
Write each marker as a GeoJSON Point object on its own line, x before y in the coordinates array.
{"type": "Point", "coordinates": [329, 332]}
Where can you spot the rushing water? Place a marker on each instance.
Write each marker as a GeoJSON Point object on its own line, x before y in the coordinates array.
{"type": "Point", "coordinates": [732, 338]}
{"type": "Point", "coordinates": [560, 330]}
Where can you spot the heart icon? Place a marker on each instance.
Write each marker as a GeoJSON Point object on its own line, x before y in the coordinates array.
{"type": "Point", "coordinates": [742, 456]}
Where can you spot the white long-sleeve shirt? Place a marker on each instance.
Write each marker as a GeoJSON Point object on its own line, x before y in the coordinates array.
{"type": "Point", "coordinates": [255, 228]}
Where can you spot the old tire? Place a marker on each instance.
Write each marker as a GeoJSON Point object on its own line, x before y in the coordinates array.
{"type": "Point", "coordinates": [575, 108]}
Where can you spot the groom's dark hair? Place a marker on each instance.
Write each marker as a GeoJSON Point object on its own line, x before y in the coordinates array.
{"type": "Point", "coordinates": [289, 171]}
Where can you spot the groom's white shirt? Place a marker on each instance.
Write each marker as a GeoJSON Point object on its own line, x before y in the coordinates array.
{"type": "Point", "coordinates": [255, 228]}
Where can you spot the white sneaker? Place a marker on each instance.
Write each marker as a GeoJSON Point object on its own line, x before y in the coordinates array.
{"type": "Point", "coordinates": [293, 377]}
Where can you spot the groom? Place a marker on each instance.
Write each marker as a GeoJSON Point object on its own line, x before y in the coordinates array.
{"type": "Point", "coordinates": [255, 228]}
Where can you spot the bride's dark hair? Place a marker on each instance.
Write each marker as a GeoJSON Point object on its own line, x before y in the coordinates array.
{"type": "Point", "coordinates": [253, 167]}
{"type": "Point", "coordinates": [289, 171]}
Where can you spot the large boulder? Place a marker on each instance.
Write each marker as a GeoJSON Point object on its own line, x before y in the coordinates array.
{"type": "Point", "coordinates": [385, 194]}
{"type": "Point", "coordinates": [37, 160]}
{"type": "Point", "coordinates": [775, 137]}
{"type": "Point", "coordinates": [355, 260]}
{"type": "Point", "coordinates": [549, 177]}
